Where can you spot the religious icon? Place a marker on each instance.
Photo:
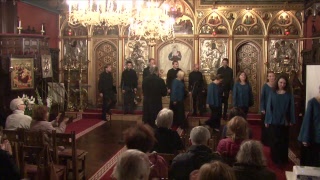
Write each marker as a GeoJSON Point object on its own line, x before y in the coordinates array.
{"type": "Point", "coordinates": [175, 54]}
{"type": "Point", "coordinates": [22, 73]}
{"type": "Point", "coordinates": [46, 66]}
{"type": "Point", "coordinates": [248, 20]}
{"type": "Point", "coordinates": [266, 16]}
{"type": "Point", "coordinates": [231, 17]}
{"type": "Point", "coordinates": [214, 20]}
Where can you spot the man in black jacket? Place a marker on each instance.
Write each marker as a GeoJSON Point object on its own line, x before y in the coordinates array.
{"type": "Point", "coordinates": [106, 89]}
{"type": "Point", "coordinates": [172, 74]}
{"type": "Point", "coordinates": [129, 83]}
{"type": "Point", "coordinates": [227, 84]}
{"type": "Point", "coordinates": [196, 90]}
{"type": "Point", "coordinates": [197, 155]}
{"type": "Point", "coordinates": [153, 89]}
{"type": "Point", "coordinates": [146, 71]}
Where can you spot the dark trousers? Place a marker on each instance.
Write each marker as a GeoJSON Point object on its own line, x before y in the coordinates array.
{"type": "Point", "coordinates": [198, 102]}
{"type": "Point", "coordinates": [128, 101]}
{"type": "Point", "coordinates": [215, 119]}
{"type": "Point", "coordinates": [150, 112]}
{"type": "Point", "coordinates": [179, 119]}
{"type": "Point", "coordinates": [310, 156]}
{"type": "Point", "coordinates": [109, 100]}
{"type": "Point", "coordinates": [225, 100]}
{"type": "Point", "coordinates": [264, 132]}
{"type": "Point", "coordinates": [245, 110]}
{"type": "Point", "coordinates": [279, 143]}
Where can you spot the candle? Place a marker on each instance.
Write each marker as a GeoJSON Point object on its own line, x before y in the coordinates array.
{"type": "Point", "coordinates": [19, 23]}
{"type": "Point", "coordinates": [42, 27]}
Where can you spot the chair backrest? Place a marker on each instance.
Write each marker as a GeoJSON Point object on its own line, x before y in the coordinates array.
{"type": "Point", "coordinates": [167, 157]}
{"type": "Point", "coordinates": [213, 143]}
{"type": "Point", "coordinates": [33, 138]}
{"type": "Point", "coordinates": [13, 135]}
{"type": "Point", "coordinates": [68, 140]}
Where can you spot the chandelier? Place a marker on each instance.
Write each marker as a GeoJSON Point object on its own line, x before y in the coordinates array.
{"type": "Point", "coordinates": [100, 12]}
{"type": "Point", "coordinates": [151, 22]}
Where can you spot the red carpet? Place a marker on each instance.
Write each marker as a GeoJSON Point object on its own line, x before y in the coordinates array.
{"type": "Point", "coordinates": [256, 131]}
{"type": "Point", "coordinates": [81, 125]}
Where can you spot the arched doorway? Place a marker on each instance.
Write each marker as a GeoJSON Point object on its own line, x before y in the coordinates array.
{"type": "Point", "coordinates": [248, 56]}
{"type": "Point", "coordinates": [105, 53]}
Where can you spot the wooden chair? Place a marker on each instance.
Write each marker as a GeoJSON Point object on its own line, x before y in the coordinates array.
{"type": "Point", "coordinates": [35, 158]}
{"type": "Point", "coordinates": [71, 156]}
{"type": "Point", "coordinates": [14, 137]}
{"type": "Point", "coordinates": [213, 142]}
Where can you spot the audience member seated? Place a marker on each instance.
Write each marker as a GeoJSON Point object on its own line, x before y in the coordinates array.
{"type": "Point", "coordinates": [235, 112]}
{"type": "Point", "coordinates": [132, 165]}
{"type": "Point", "coordinates": [17, 119]}
{"type": "Point", "coordinates": [213, 170]}
{"type": "Point", "coordinates": [141, 137]}
{"type": "Point", "coordinates": [251, 163]}
{"type": "Point", "coordinates": [237, 131]}
{"type": "Point", "coordinates": [8, 169]}
{"type": "Point", "coordinates": [168, 141]}
{"type": "Point", "coordinates": [197, 155]}
{"type": "Point", "coordinates": [40, 121]}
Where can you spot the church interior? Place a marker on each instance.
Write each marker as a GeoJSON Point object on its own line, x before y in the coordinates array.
{"type": "Point", "coordinates": [53, 52]}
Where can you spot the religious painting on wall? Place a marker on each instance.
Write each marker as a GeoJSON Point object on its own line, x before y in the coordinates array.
{"type": "Point", "coordinates": [212, 51]}
{"type": "Point", "coordinates": [283, 56]}
{"type": "Point", "coordinates": [175, 51]}
{"type": "Point", "coordinates": [46, 66]}
{"type": "Point", "coordinates": [137, 52]}
{"type": "Point", "coordinates": [22, 73]}
{"type": "Point", "coordinates": [183, 25]}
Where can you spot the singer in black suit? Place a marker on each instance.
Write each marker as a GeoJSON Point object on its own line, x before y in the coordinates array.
{"type": "Point", "coordinates": [107, 91]}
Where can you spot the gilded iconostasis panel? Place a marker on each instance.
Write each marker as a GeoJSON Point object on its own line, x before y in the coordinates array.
{"type": "Point", "coordinates": [211, 53]}
{"type": "Point", "coordinates": [138, 53]}
{"type": "Point", "coordinates": [283, 56]}
{"type": "Point", "coordinates": [179, 51]}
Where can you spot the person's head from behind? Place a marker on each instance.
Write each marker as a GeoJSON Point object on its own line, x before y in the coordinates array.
{"type": "Point", "coordinates": [154, 70]}
{"type": "Point", "coordinates": [216, 78]}
{"type": "Point", "coordinates": [180, 75]}
{"type": "Point", "coordinates": [175, 64]}
{"type": "Point", "coordinates": [199, 135]}
{"type": "Point", "coordinates": [237, 128]}
{"type": "Point", "coordinates": [17, 104]}
{"type": "Point", "coordinates": [140, 137]}
{"type": "Point", "coordinates": [216, 170]}
{"type": "Point", "coordinates": [132, 165]}
{"type": "Point", "coordinates": [164, 118]}
{"type": "Point", "coordinates": [40, 113]}
{"type": "Point", "coordinates": [251, 153]}
{"type": "Point", "coordinates": [235, 111]}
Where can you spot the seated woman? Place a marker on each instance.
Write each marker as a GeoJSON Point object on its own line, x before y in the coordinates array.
{"type": "Point", "coordinates": [132, 165]}
{"type": "Point", "coordinates": [168, 141]}
{"type": "Point", "coordinates": [40, 121]}
{"type": "Point", "coordinates": [213, 170]}
{"type": "Point", "coordinates": [237, 131]}
{"type": "Point", "coordinates": [141, 137]}
{"type": "Point", "coordinates": [251, 163]}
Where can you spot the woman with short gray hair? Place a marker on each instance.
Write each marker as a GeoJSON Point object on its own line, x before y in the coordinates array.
{"type": "Point", "coordinates": [132, 165]}
{"type": "Point", "coordinates": [251, 162]}
{"type": "Point", "coordinates": [168, 141]}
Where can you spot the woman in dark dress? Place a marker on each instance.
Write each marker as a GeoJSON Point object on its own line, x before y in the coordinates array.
{"type": "Point", "coordinates": [279, 116]}
{"type": "Point", "coordinates": [242, 93]}
{"type": "Point", "coordinates": [177, 101]}
{"type": "Point", "coordinates": [267, 88]}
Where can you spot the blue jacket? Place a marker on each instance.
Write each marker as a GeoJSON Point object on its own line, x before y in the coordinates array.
{"type": "Point", "coordinates": [242, 95]}
{"type": "Point", "coordinates": [310, 128]}
{"type": "Point", "coordinates": [280, 109]}
{"type": "Point", "coordinates": [266, 90]}
{"type": "Point", "coordinates": [177, 91]}
{"type": "Point", "coordinates": [214, 95]}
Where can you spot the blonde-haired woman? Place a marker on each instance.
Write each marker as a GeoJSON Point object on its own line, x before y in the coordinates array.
{"type": "Point", "coordinates": [237, 131]}
{"type": "Point", "coordinates": [176, 100]}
